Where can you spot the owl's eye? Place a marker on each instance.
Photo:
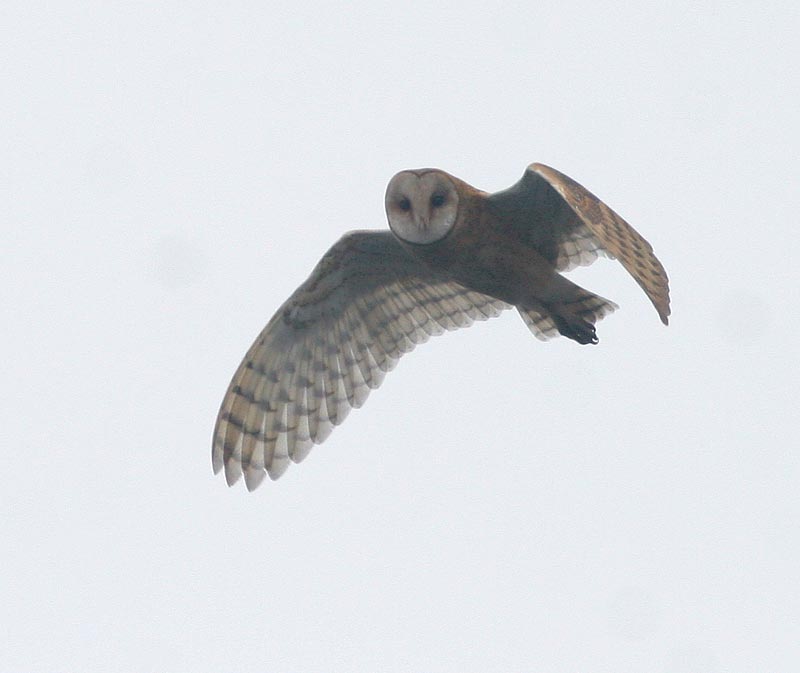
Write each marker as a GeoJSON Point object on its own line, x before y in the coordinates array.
{"type": "Point", "coordinates": [437, 200]}
{"type": "Point", "coordinates": [404, 204]}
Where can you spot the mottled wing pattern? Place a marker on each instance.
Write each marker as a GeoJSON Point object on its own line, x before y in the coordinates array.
{"type": "Point", "coordinates": [604, 230]}
{"type": "Point", "coordinates": [365, 304]}
{"type": "Point", "coordinates": [539, 217]}
{"type": "Point", "coordinates": [578, 246]}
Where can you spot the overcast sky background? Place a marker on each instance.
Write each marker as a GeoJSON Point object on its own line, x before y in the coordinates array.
{"type": "Point", "coordinates": [171, 172]}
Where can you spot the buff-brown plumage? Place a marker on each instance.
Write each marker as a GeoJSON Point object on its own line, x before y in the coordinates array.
{"type": "Point", "coordinates": [607, 232]}
{"type": "Point", "coordinates": [375, 295]}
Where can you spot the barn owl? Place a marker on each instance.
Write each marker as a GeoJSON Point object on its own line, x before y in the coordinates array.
{"type": "Point", "coordinates": [453, 255]}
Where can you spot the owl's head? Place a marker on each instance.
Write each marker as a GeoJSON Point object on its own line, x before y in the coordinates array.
{"type": "Point", "coordinates": [421, 205]}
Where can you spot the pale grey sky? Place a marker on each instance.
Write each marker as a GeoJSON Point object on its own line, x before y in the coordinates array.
{"type": "Point", "coordinates": [171, 172]}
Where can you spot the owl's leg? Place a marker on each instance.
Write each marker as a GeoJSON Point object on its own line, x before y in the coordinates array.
{"type": "Point", "coordinates": [567, 309]}
{"type": "Point", "coordinates": [547, 322]}
{"type": "Point", "coordinates": [575, 328]}
{"type": "Point", "coordinates": [576, 314]}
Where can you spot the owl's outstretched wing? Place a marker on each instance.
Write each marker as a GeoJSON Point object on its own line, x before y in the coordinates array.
{"type": "Point", "coordinates": [571, 227]}
{"type": "Point", "coordinates": [365, 304]}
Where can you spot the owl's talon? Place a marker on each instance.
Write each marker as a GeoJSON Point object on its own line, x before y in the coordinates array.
{"type": "Point", "coordinates": [576, 329]}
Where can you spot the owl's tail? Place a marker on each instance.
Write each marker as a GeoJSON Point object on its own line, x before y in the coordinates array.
{"type": "Point", "coordinates": [573, 314]}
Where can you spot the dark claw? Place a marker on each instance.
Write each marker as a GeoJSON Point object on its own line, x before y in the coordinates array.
{"type": "Point", "coordinates": [578, 330]}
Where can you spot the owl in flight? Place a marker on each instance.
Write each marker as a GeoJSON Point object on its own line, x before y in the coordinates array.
{"type": "Point", "coordinates": [454, 255]}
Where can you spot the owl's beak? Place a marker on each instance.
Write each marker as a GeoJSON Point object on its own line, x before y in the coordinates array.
{"type": "Point", "coordinates": [422, 222]}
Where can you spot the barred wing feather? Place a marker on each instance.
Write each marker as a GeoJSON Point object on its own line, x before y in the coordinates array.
{"type": "Point", "coordinates": [365, 304]}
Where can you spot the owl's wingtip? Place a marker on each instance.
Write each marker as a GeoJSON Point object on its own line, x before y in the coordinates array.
{"type": "Point", "coordinates": [233, 472]}
{"type": "Point", "coordinates": [253, 478]}
{"type": "Point", "coordinates": [216, 450]}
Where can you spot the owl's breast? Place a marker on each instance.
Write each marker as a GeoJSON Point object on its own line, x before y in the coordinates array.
{"type": "Point", "coordinates": [485, 260]}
